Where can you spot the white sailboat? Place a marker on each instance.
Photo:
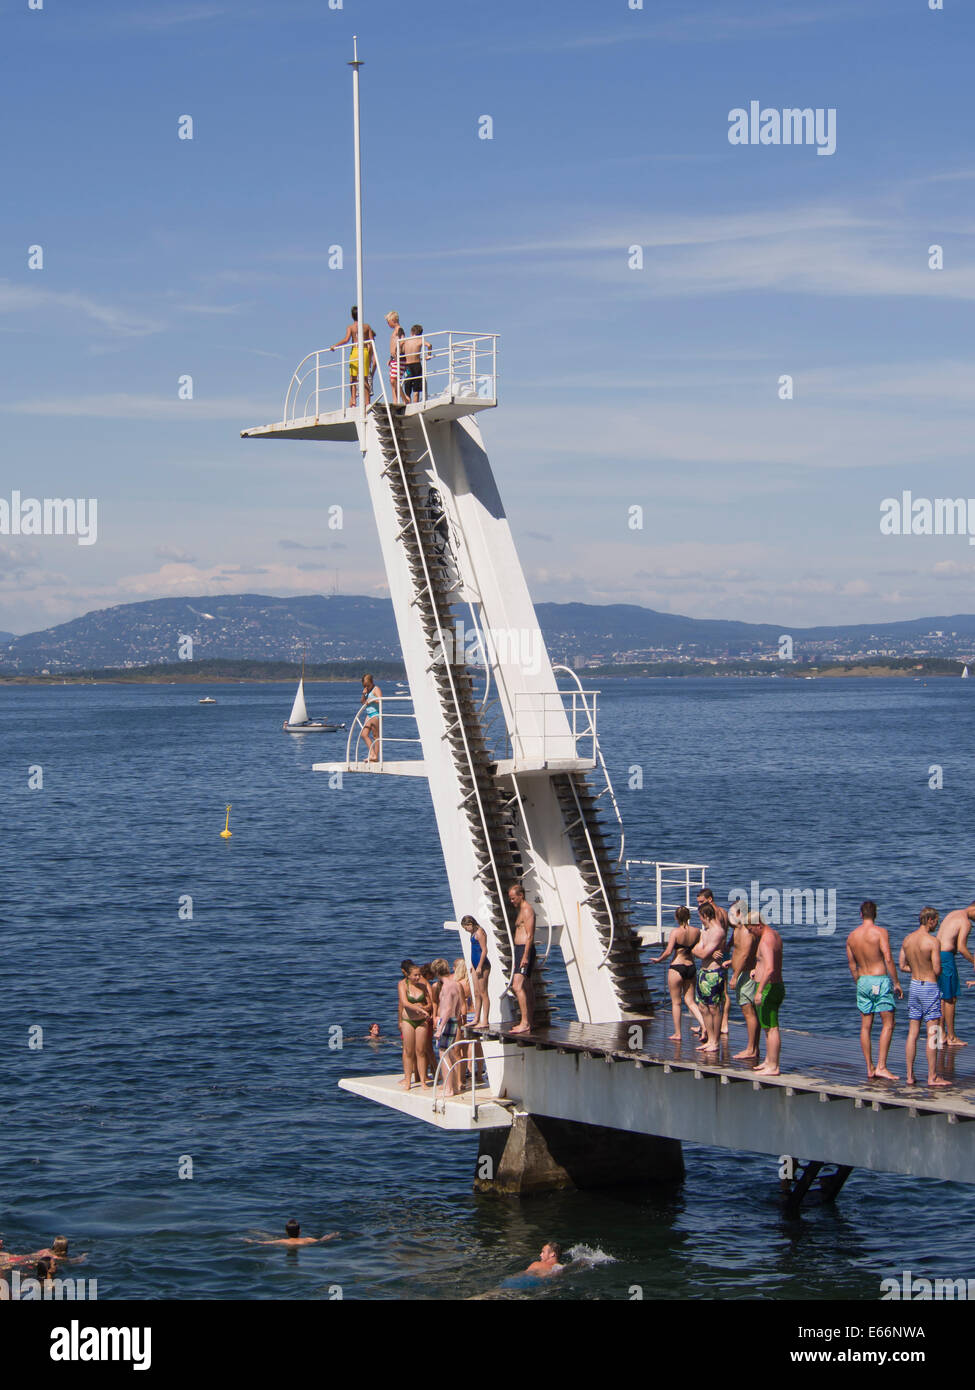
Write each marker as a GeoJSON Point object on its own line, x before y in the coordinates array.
{"type": "Point", "coordinates": [964, 674]}
{"type": "Point", "coordinates": [298, 721]}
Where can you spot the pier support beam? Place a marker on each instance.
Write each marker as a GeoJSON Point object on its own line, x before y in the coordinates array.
{"type": "Point", "coordinates": [542, 1154]}
{"type": "Point", "coordinates": [829, 1184]}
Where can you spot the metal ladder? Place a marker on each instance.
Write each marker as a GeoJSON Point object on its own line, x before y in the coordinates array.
{"type": "Point", "coordinates": [434, 596]}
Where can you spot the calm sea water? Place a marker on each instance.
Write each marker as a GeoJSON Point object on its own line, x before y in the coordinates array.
{"type": "Point", "coordinates": [210, 1037]}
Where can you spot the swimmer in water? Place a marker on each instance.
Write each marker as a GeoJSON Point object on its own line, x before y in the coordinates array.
{"type": "Point", "coordinates": [8, 1258]}
{"type": "Point", "coordinates": [548, 1263]}
{"type": "Point", "coordinates": [294, 1237]}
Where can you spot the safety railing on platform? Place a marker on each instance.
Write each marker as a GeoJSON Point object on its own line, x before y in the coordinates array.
{"type": "Point", "coordinates": [452, 366]}
{"type": "Point", "coordinates": [677, 881]}
{"type": "Point", "coordinates": [386, 733]}
{"type": "Point", "coordinates": [467, 1056]}
{"type": "Point", "coordinates": [540, 718]}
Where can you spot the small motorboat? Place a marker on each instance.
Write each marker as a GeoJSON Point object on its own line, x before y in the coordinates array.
{"type": "Point", "coordinates": [207, 700]}
{"type": "Point", "coordinates": [298, 721]}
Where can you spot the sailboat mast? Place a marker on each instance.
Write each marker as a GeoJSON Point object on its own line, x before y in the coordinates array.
{"type": "Point", "coordinates": [355, 65]}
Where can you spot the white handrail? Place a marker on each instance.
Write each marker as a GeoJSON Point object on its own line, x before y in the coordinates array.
{"type": "Point", "coordinates": [585, 826]}
{"type": "Point", "coordinates": [602, 762]}
{"type": "Point", "coordinates": [456, 368]}
{"type": "Point", "coordinates": [470, 1043]}
{"type": "Point", "coordinates": [662, 868]}
{"type": "Point", "coordinates": [359, 721]}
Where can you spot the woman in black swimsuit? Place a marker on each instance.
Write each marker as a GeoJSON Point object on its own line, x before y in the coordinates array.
{"type": "Point", "coordinates": [680, 976]}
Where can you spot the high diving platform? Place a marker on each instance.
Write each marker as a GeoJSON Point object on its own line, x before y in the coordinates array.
{"type": "Point", "coordinates": [458, 378]}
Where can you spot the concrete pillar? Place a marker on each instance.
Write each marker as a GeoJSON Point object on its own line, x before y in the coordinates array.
{"type": "Point", "coordinates": [541, 1154]}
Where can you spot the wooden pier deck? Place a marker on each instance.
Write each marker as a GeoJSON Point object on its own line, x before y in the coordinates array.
{"type": "Point", "coordinates": [831, 1067]}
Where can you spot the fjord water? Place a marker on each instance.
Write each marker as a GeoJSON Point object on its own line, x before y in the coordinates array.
{"type": "Point", "coordinates": [209, 1038]}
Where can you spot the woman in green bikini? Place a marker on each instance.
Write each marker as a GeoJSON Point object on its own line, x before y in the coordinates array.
{"type": "Point", "coordinates": [415, 1013]}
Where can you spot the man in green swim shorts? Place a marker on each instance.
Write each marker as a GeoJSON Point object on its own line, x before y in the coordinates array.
{"type": "Point", "coordinates": [769, 993]}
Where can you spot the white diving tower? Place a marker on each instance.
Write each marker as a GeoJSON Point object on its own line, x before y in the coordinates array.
{"type": "Point", "coordinates": [509, 747]}
{"type": "Point", "coordinates": [508, 744]}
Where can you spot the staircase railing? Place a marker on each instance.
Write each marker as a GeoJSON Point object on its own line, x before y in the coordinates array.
{"type": "Point", "coordinates": [602, 763]}
{"type": "Point", "coordinates": [431, 597]}
{"type": "Point", "coordinates": [583, 819]}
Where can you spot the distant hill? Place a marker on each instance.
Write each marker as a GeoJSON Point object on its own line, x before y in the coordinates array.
{"type": "Point", "coordinates": [256, 627]}
{"type": "Point", "coordinates": [251, 626]}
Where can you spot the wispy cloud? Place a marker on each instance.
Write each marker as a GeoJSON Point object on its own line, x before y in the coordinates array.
{"type": "Point", "coordinates": [718, 24]}
{"type": "Point", "coordinates": [709, 26]}
{"type": "Point", "coordinates": [170, 553]}
{"type": "Point", "coordinates": [300, 545]}
{"type": "Point", "coordinates": [123, 405]}
{"type": "Point", "coordinates": [160, 16]}
{"type": "Point", "coordinates": [812, 250]}
{"type": "Point", "coordinates": [32, 299]}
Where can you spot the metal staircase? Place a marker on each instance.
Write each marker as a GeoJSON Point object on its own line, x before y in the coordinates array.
{"type": "Point", "coordinates": [606, 893]}
{"type": "Point", "coordinates": [498, 864]}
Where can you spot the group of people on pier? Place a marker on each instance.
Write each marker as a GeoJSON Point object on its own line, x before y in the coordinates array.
{"type": "Point", "coordinates": [439, 1008]}
{"type": "Point", "coordinates": [929, 955]}
{"type": "Point", "coordinates": [408, 354]}
{"type": "Point", "coordinates": [702, 975]}
{"type": "Point", "coordinates": [698, 977]}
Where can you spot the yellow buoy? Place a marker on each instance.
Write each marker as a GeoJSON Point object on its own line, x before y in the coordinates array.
{"type": "Point", "coordinates": [226, 832]}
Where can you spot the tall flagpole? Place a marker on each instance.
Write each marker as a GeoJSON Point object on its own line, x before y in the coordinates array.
{"type": "Point", "coordinates": [355, 65]}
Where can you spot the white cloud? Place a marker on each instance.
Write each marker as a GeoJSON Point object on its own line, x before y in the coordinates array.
{"type": "Point", "coordinates": [124, 405]}
{"type": "Point", "coordinates": [32, 299]}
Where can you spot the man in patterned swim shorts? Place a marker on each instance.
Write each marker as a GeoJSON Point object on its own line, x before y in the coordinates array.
{"type": "Point", "coordinates": [710, 976]}
{"type": "Point", "coordinates": [921, 955]}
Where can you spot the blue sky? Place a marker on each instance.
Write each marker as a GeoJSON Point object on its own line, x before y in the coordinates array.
{"type": "Point", "coordinates": [656, 387]}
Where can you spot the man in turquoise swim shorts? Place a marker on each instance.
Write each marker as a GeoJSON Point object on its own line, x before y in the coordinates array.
{"type": "Point", "coordinates": [872, 967]}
